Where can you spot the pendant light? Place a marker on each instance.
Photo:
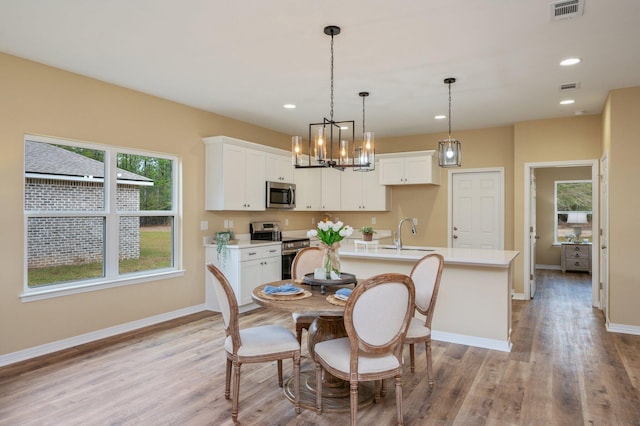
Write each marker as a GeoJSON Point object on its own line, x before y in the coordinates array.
{"type": "Point", "coordinates": [330, 143]}
{"type": "Point", "coordinates": [365, 153]}
{"type": "Point", "coordinates": [449, 150]}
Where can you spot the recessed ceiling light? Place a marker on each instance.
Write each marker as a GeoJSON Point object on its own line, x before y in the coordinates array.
{"type": "Point", "coordinates": [440, 117]}
{"type": "Point", "coordinates": [567, 102]}
{"type": "Point", "coordinates": [289, 106]}
{"type": "Point", "coordinates": [570, 61]}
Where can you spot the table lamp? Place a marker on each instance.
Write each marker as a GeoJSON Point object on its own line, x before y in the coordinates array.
{"type": "Point", "coordinates": [577, 219]}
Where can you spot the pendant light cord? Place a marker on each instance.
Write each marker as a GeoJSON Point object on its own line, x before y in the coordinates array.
{"type": "Point", "coordinates": [363, 127]}
{"type": "Point", "coordinates": [331, 113]}
{"type": "Point", "coordinates": [449, 110]}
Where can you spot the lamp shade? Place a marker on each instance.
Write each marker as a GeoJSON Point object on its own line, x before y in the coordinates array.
{"type": "Point", "coordinates": [577, 217]}
{"type": "Point", "coordinates": [449, 153]}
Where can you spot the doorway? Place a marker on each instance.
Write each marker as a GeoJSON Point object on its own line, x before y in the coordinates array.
{"type": "Point", "coordinates": [530, 223]}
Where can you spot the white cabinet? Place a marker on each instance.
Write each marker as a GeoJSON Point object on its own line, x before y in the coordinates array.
{"type": "Point", "coordinates": [278, 168]}
{"type": "Point", "coordinates": [330, 189]}
{"type": "Point", "coordinates": [410, 168]}
{"type": "Point", "coordinates": [308, 189]}
{"type": "Point", "coordinates": [235, 176]}
{"type": "Point", "coordinates": [362, 191]}
{"type": "Point", "coordinates": [245, 268]}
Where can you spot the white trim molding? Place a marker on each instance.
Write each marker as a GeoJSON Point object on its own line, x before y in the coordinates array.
{"type": "Point", "coordinates": [623, 328]}
{"type": "Point", "coordinates": [59, 345]}
{"type": "Point", "coordinates": [478, 342]}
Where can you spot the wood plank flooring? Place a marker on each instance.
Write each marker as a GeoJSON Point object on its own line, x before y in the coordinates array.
{"type": "Point", "coordinates": [565, 369]}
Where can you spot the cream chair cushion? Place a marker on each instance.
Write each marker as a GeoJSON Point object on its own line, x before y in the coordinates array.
{"type": "Point", "coordinates": [263, 340]}
{"type": "Point", "coordinates": [336, 353]}
{"type": "Point", "coordinates": [417, 329]}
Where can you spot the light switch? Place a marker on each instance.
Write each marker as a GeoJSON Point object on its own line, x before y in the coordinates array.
{"type": "Point", "coordinates": [373, 220]}
{"type": "Point", "coordinates": [204, 225]}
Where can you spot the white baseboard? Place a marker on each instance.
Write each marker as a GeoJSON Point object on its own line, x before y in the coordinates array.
{"type": "Point", "coordinates": [623, 328]}
{"type": "Point", "coordinates": [59, 345]}
{"type": "Point", "coordinates": [480, 342]}
{"type": "Point", "coordinates": [519, 296]}
{"type": "Point", "coordinates": [549, 267]}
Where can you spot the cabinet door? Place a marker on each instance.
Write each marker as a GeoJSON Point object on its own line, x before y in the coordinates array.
{"type": "Point", "coordinates": [278, 168]}
{"type": "Point", "coordinates": [234, 177]}
{"type": "Point", "coordinates": [254, 181]}
{"type": "Point", "coordinates": [331, 188]}
{"type": "Point", "coordinates": [271, 269]}
{"type": "Point", "coordinates": [391, 171]}
{"type": "Point", "coordinates": [376, 197]}
{"type": "Point", "coordinates": [417, 170]}
{"type": "Point", "coordinates": [250, 278]}
{"type": "Point", "coordinates": [308, 189]}
{"type": "Point", "coordinates": [351, 190]}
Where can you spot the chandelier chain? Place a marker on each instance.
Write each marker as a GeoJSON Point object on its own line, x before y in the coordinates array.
{"type": "Point", "coordinates": [331, 113]}
{"type": "Point", "coordinates": [363, 127]}
{"type": "Point", "coordinates": [449, 110]}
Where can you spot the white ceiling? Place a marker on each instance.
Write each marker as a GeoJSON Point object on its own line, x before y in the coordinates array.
{"type": "Point", "coordinates": [246, 59]}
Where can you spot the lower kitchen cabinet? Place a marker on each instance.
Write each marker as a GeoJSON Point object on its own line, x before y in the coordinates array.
{"type": "Point", "coordinates": [246, 268]}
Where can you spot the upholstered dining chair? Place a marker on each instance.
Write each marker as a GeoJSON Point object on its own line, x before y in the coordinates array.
{"type": "Point", "coordinates": [305, 262]}
{"type": "Point", "coordinates": [376, 319]}
{"type": "Point", "coordinates": [263, 343]}
{"type": "Point", "coordinates": [426, 275]}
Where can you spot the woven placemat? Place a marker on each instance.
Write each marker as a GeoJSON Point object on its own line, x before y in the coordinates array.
{"type": "Point", "coordinates": [297, 296]}
{"type": "Point", "coordinates": [335, 301]}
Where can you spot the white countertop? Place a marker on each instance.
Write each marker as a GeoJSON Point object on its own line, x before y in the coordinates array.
{"type": "Point", "coordinates": [465, 256]}
{"type": "Point", "coordinates": [244, 241]}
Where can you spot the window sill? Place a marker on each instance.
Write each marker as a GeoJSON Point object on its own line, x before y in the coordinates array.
{"type": "Point", "coordinates": [49, 292]}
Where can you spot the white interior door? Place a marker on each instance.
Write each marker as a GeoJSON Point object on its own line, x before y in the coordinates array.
{"type": "Point", "coordinates": [533, 235]}
{"type": "Point", "coordinates": [604, 235]}
{"type": "Point", "coordinates": [476, 209]}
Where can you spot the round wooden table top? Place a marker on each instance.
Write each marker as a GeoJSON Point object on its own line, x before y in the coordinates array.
{"type": "Point", "coordinates": [317, 303]}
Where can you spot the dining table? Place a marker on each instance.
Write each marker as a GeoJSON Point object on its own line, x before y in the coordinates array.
{"type": "Point", "coordinates": [329, 324]}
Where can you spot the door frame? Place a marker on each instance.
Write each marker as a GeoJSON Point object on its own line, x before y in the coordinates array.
{"type": "Point", "coordinates": [500, 171]}
{"type": "Point", "coordinates": [595, 218]}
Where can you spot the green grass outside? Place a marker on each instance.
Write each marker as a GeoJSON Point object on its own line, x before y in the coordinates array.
{"type": "Point", "coordinates": [155, 253]}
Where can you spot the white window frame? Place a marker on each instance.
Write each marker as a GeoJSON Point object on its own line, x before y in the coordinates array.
{"type": "Point", "coordinates": [112, 217]}
{"type": "Point", "coordinates": [555, 205]}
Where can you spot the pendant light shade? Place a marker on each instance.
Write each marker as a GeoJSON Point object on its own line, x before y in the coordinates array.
{"type": "Point", "coordinates": [449, 149]}
{"type": "Point", "coordinates": [366, 152]}
{"type": "Point", "coordinates": [331, 143]}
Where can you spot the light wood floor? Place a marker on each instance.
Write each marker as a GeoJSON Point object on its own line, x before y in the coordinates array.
{"type": "Point", "coordinates": [565, 369]}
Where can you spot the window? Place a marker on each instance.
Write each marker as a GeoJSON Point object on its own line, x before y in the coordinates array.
{"type": "Point", "coordinates": [573, 211]}
{"type": "Point", "coordinates": [97, 215]}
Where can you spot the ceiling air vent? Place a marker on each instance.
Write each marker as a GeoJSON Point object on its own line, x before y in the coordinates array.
{"type": "Point", "coordinates": [566, 9]}
{"type": "Point", "coordinates": [569, 86]}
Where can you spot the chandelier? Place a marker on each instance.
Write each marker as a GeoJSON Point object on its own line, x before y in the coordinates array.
{"type": "Point", "coordinates": [449, 150]}
{"type": "Point", "coordinates": [330, 142]}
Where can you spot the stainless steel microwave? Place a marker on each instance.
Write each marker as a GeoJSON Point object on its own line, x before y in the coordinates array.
{"type": "Point", "coordinates": [281, 195]}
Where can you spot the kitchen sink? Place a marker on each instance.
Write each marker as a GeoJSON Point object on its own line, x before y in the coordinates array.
{"type": "Point", "coordinates": [406, 248]}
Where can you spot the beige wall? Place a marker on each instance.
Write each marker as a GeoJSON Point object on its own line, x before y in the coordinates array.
{"type": "Point", "coordinates": [546, 252]}
{"type": "Point", "coordinates": [624, 205]}
{"type": "Point", "coordinates": [41, 100]}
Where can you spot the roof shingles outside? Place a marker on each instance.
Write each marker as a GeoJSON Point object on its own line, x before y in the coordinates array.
{"type": "Point", "coordinates": [47, 159]}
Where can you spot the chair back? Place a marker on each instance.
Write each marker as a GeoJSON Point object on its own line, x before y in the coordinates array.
{"type": "Point", "coordinates": [228, 305]}
{"type": "Point", "coordinates": [377, 315]}
{"type": "Point", "coordinates": [307, 259]}
{"type": "Point", "coordinates": [426, 276]}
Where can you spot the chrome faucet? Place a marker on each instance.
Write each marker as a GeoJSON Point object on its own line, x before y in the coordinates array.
{"type": "Point", "coordinates": [398, 239]}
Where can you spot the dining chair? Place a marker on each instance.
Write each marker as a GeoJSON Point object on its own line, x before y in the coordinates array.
{"type": "Point", "coordinates": [305, 262]}
{"type": "Point", "coordinates": [376, 318]}
{"type": "Point", "coordinates": [426, 274]}
{"type": "Point", "coordinates": [264, 343]}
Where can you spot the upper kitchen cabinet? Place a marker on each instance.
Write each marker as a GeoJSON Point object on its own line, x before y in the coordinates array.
{"type": "Point", "coordinates": [308, 189]}
{"type": "Point", "coordinates": [362, 191]}
{"type": "Point", "coordinates": [409, 168]}
{"type": "Point", "coordinates": [278, 168]}
{"type": "Point", "coordinates": [235, 175]}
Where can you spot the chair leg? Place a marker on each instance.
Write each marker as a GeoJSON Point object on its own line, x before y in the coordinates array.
{"type": "Point", "coordinates": [412, 357]}
{"type": "Point", "coordinates": [377, 390]}
{"type": "Point", "coordinates": [398, 380]}
{"type": "Point", "coordinates": [227, 380]}
{"type": "Point", "coordinates": [354, 402]}
{"type": "Point", "coordinates": [318, 388]}
{"type": "Point", "coordinates": [299, 328]}
{"type": "Point", "coordinates": [280, 372]}
{"type": "Point", "coordinates": [296, 380]}
{"type": "Point", "coordinates": [383, 388]}
{"type": "Point", "coordinates": [236, 390]}
{"type": "Point", "coordinates": [429, 362]}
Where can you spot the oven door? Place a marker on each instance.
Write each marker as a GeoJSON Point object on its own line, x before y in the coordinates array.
{"type": "Point", "coordinates": [281, 195]}
{"type": "Point", "coordinates": [287, 262]}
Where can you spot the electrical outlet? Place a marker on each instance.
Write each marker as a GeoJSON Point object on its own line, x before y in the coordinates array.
{"type": "Point", "coordinates": [204, 225]}
{"type": "Point", "coordinates": [313, 220]}
{"type": "Point", "coordinates": [231, 223]}
{"type": "Point", "coordinates": [286, 222]}
{"type": "Point", "coordinates": [226, 224]}
{"type": "Point", "coordinates": [373, 220]}
{"type": "Point", "coordinates": [415, 221]}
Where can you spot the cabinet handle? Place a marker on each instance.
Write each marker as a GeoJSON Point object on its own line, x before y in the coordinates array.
{"type": "Point", "coordinates": [252, 253]}
{"type": "Point", "coordinates": [272, 251]}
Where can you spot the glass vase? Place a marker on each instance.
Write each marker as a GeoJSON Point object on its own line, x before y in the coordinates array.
{"type": "Point", "coordinates": [331, 260]}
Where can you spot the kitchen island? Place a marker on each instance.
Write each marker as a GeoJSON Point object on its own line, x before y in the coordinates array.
{"type": "Point", "coordinates": [474, 301]}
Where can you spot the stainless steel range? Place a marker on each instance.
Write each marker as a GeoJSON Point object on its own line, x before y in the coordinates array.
{"type": "Point", "coordinates": [270, 231]}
